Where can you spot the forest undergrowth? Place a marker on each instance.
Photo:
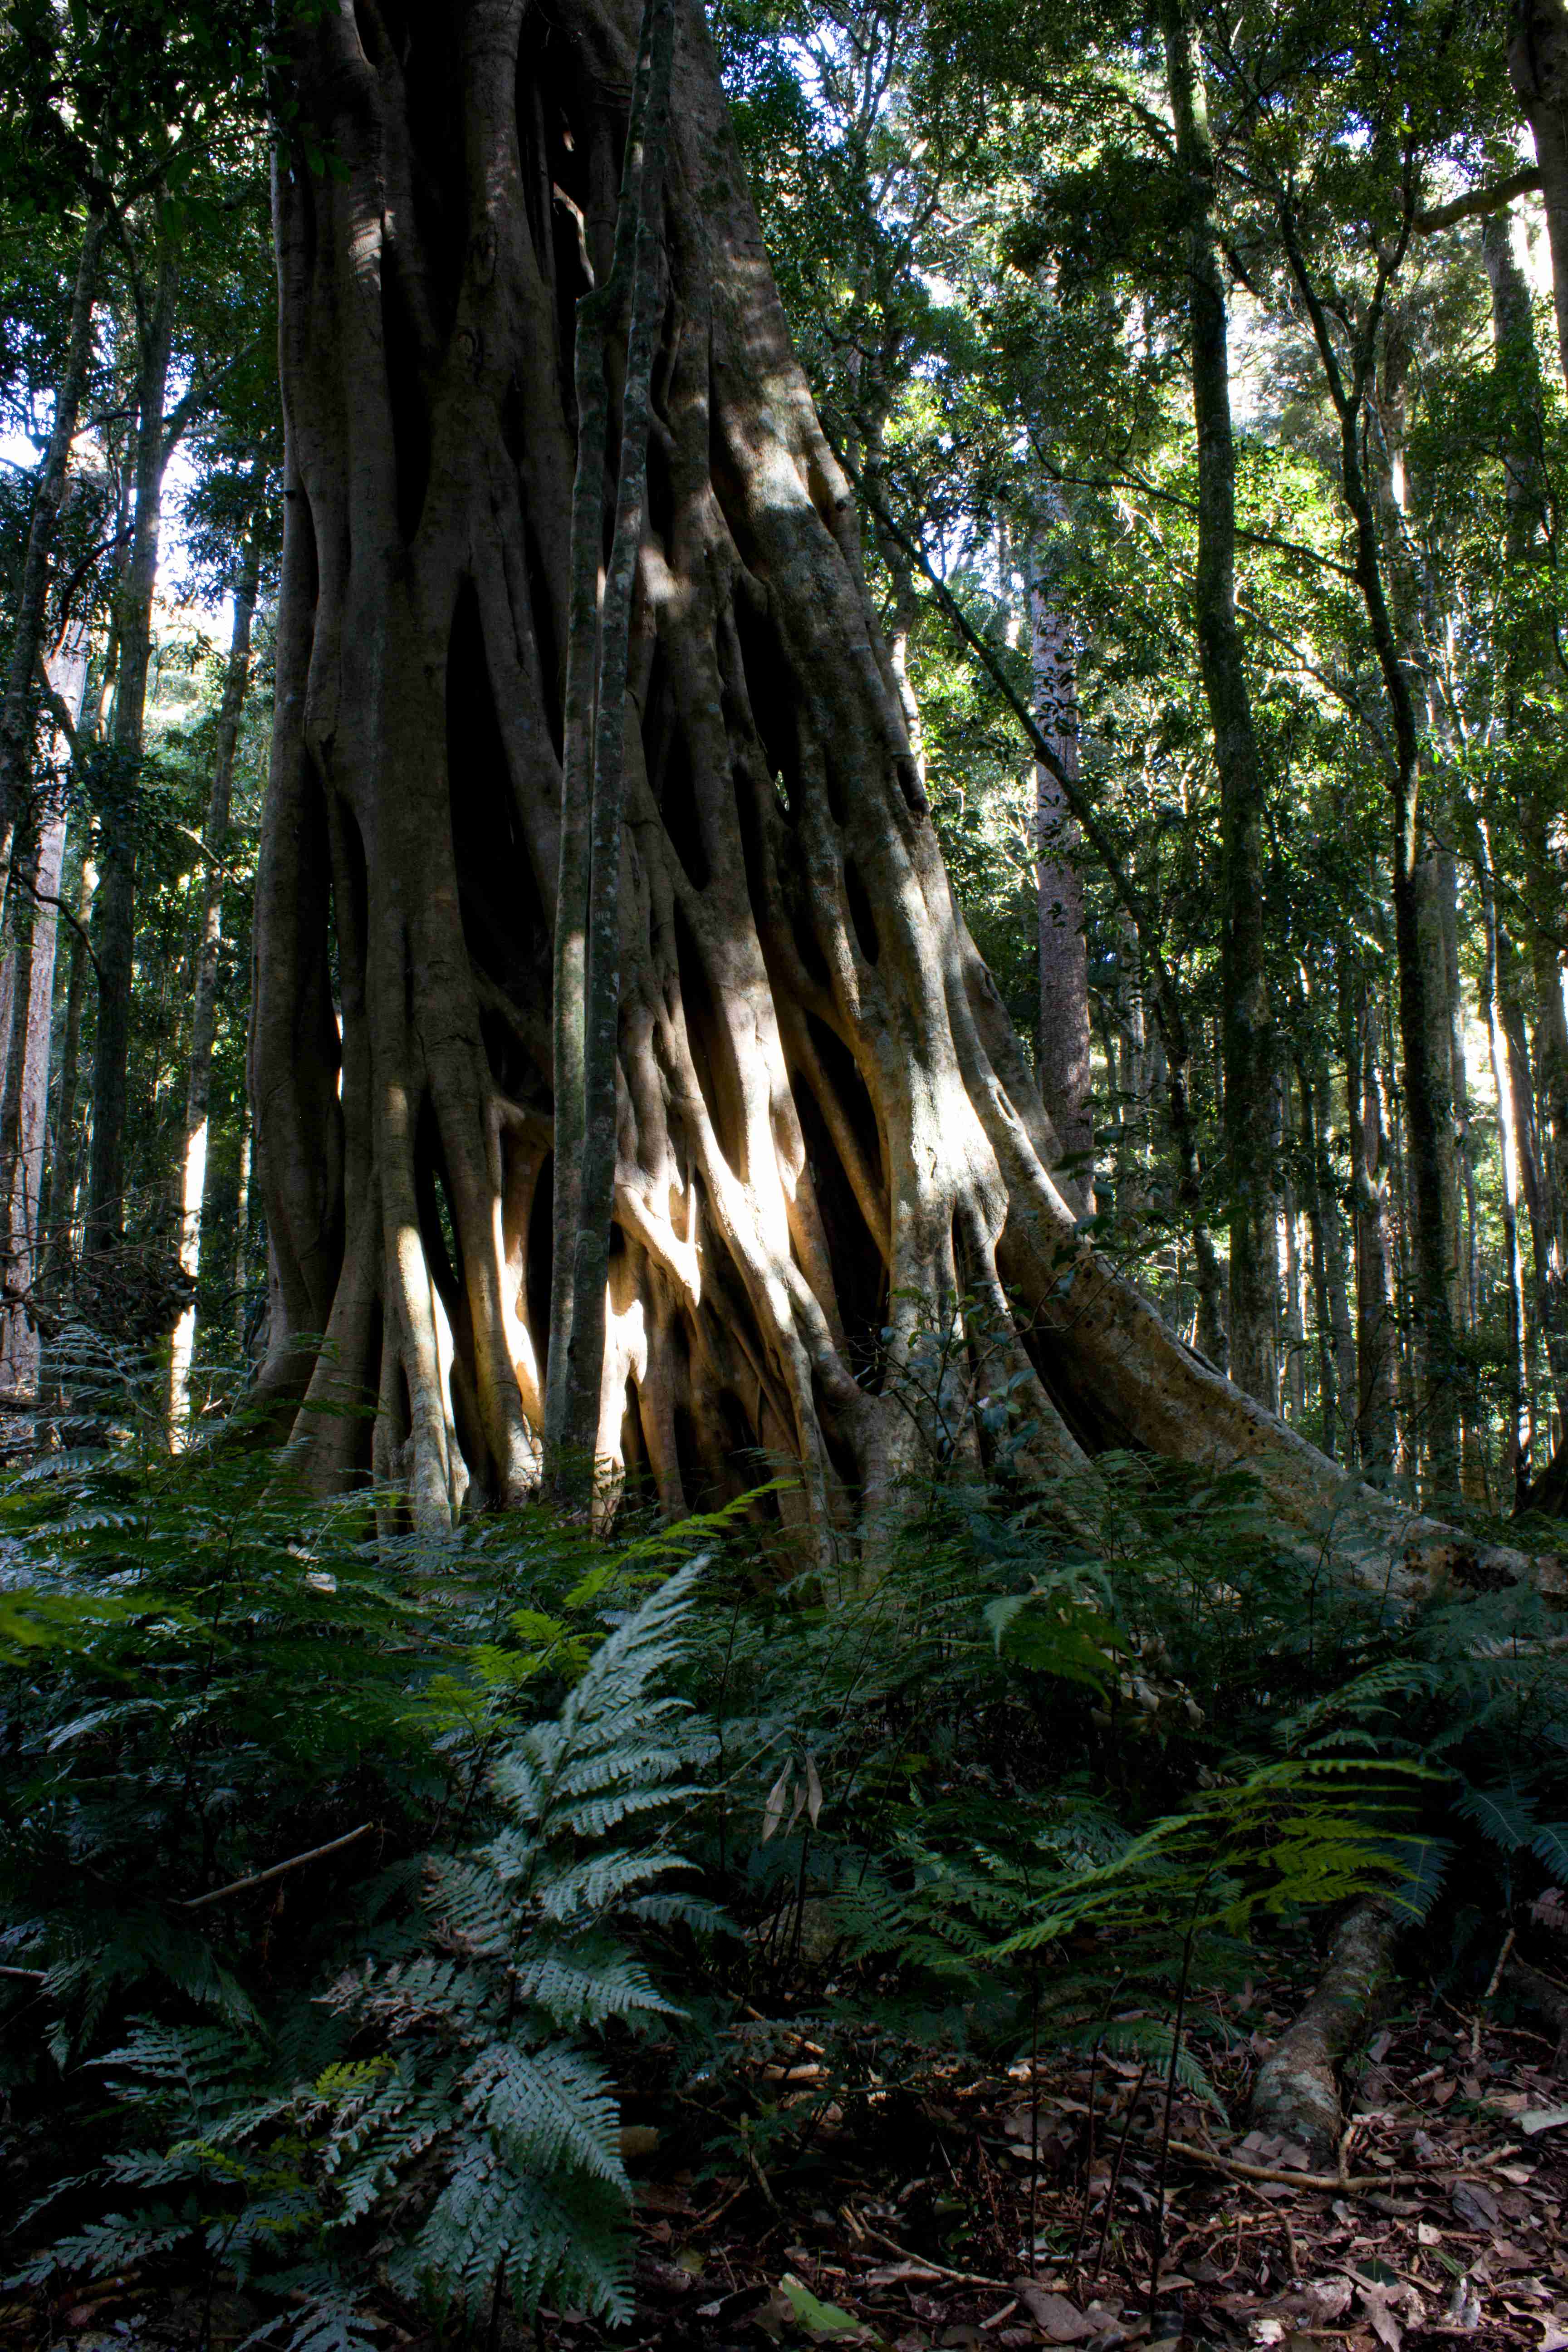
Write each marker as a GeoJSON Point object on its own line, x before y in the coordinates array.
{"type": "Point", "coordinates": [537, 1937]}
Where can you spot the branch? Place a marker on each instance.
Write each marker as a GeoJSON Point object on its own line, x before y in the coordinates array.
{"type": "Point", "coordinates": [1493, 199]}
{"type": "Point", "coordinates": [1133, 480]}
{"type": "Point", "coordinates": [262, 1877]}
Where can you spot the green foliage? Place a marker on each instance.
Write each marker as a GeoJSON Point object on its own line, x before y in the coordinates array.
{"type": "Point", "coordinates": [204, 1675]}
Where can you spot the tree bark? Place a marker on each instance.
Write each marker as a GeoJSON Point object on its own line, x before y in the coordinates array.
{"type": "Point", "coordinates": [1297, 2091]}
{"type": "Point", "coordinates": [1376, 1318]}
{"type": "Point", "coordinates": [209, 934]}
{"type": "Point", "coordinates": [115, 911]}
{"type": "Point", "coordinates": [24, 1107]}
{"type": "Point", "coordinates": [1518, 1432]}
{"type": "Point", "coordinates": [588, 929]}
{"type": "Point", "coordinates": [826, 1130]}
{"type": "Point", "coordinates": [1248, 1039]}
{"type": "Point", "coordinates": [1063, 1062]}
{"type": "Point", "coordinates": [1537, 68]}
{"type": "Point", "coordinates": [48, 491]}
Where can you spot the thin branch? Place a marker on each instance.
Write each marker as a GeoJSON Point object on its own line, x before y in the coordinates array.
{"type": "Point", "coordinates": [279, 1869]}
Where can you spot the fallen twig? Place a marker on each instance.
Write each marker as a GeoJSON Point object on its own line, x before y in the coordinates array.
{"type": "Point", "coordinates": [938, 2270]}
{"type": "Point", "coordinates": [264, 1877]}
{"type": "Point", "coordinates": [1337, 2184]}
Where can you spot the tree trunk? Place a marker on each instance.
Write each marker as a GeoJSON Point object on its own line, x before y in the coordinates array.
{"type": "Point", "coordinates": [23, 1106]}
{"type": "Point", "coordinates": [58, 1205]}
{"type": "Point", "coordinates": [32, 592]}
{"type": "Point", "coordinates": [209, 934]}
{"type": "Point", "coordinates": [1248, 1044]}
{"type": "Point", "coordinates": [826, 1128]}
{"type": "Point", "coordinates": [1537, 68]}
{"type": "Point", "coordinates": [1376, 1320]}
{"type": "Point", "coordinates": [115, 912]}
{"type": "Point", "coordinates": [1062, 1064]}
{"type": "Point", "coordinates": [1542, 1134]}
{"type": "Point", "coordinates": [1518, 1432]}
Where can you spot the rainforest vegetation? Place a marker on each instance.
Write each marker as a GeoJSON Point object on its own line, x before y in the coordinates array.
{"type": "Point", "coordinates": [784, 1172]}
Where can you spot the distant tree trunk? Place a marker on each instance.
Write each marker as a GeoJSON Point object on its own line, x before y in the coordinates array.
{"type": "Point", "coordinates": [209, 933]}
{"type": "Point", "coordinates": [1319, 1206]}
{"type": "Point", "coordinates": [24, 1101]}
{"type": "Point", "coordinates": [1376, 1318]}
{"type": "Point", "coordinates": [49, 486]}
{"type": "Point", "coordinates": [1249, 1050]}
{"type": "Point", "coordinates": [242, 1213]}
{"type": "Point", "coordinates": [1518, 1434]}
{"type": "Point", "coordinates": [57, 1207]}
{"type": "Point", "coordinates": [826, 1126]}
{"type": "Point", "coordinates": [1542, 1134]}
{"type": "Point", "coordinates": [1063, 1063]}
{"type": "Point", "coordinates": [115, 912]}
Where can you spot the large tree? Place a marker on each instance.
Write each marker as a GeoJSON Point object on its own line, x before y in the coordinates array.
{"type": "Point", "coordinates": [829, 1143]}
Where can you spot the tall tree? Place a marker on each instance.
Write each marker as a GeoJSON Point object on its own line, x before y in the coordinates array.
{"type": "Point", "coordinates": [1249, 1047]}
{"type": "Point", "coordinates": [114, 914]}
{"type": "Point", "coordinates": [192, 1162]}
{"type": "Point", "coordinates": [823, 1118]}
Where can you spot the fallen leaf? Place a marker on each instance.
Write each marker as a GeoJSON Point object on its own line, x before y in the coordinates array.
{"type": "Point", "coordinates": [1375, 2302]}
{"type": "Point", "coordinates": [1474, 2203]}
{"type": "Point", "coordinates": [1062, 2321]}
{"type": "Point", "coordinates": [1540, 2119]}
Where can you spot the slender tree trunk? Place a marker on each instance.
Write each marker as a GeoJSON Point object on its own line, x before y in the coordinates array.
{"type": "Point", "coordinates": [1537, 68]}
{"type": "Point", "coordinates": [64, 1159]}
{"type": "Point", "coordinates": [1517, 1433]}
{"type": "Point", "coordinates": [1543, 1135]}
{"type": "Point", "coordinates": [1063, 1062]}
{"type": "Point", "coordinates": [827, 1128]}
{"type": "Point", "coordinates": [114, 914]}
{"type": "Point", "coordinates": [32, 592]}
{"type": "Point", "coordinates": [24, 1107]}
{"type": "Point", "coordinates": [1426, 1093]}
{"type": "Point", "coordinates": [242, 1214]}
{"type": "Point", "coordinates": [209, 934]}
{"type": "Point", "coordinates": [1249, 1050]}
{"type": "Point", "coordinates": [1320, 1208]}
{"type": "Point", "coordinates": [1376, 1318]}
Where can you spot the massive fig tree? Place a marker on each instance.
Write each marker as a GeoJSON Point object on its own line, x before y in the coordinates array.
{"type": "Point", "coordinates": [826, 1132]}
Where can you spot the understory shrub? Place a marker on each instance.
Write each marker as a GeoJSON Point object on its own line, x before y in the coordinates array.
{"type": "Point", "coordinates": [354, 1894]}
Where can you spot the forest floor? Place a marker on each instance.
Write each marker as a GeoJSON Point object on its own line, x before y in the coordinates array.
{"type": "Point", "coordinates": [1449, 2225]}
{"type": "Point", "coordinates": [896, 2217]}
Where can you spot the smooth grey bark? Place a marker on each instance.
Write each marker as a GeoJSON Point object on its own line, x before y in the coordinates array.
{"type": "Point", "coordinates": [114, 914]}
{"type": "Point", "coordinates": [33, 588]}
{"type": "Point", "coordinates": [1541, 1125]}
{"type": "Point", "coordinates": [1249, 1049]}
{"type": "Point", "coordinates": [23, 1103]}
{"type": "Point", "coordinates": [192, 1161]}
{"type": "Point", "coordinates": [1063, 1063]}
